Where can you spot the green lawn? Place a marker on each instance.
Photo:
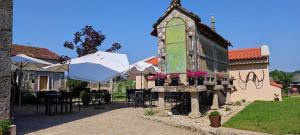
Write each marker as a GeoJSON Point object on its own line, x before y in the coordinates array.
{"type": "Point", "coordinates": [119, 96]}
{"type": "Point", "coordinates": [269, 117]}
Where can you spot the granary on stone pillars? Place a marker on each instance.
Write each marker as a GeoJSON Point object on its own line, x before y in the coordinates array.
{"type": "Point", "coordinates": [186, 44]}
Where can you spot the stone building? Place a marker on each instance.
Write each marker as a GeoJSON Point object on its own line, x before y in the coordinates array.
{"type": "Point", "coordinates": [35, 78]}
{"type": "Point", "coordinates": [186, 44]}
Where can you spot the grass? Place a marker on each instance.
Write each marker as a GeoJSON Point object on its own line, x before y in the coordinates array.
{"type": "Point", "coordinates": [119, 96]}
{"type": "Point", "coordinates": [269, 117]}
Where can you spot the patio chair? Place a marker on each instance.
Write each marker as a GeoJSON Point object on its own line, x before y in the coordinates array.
{"type": "Point", "coordinates": [65, 102]}
{"type": "Point", "coordinates": [130, 95]}
{"type": "Point", "coordinates": [52, 100]}
{"type": "Point", "coordinates": [139, 98]}
{"type": "Point", "coordinates": [40, 99]}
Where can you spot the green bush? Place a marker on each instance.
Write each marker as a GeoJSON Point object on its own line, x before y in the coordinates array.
{"type": "Point", "coordinates": [214, 113]}
{"type": "Point", "coordinates": [76, 86]}
{"type": "Point", "coordinates": [237, 103]}
{"type": "Point", "coordinates": [5, 126]}
{"type": "Point", "coordinates": [227, 109]}
{"type": "Point", "coordinates": [149, 112]}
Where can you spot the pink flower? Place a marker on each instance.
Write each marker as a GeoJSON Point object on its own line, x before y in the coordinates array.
{"type": "Point", "coordinates": [196, 74]}
{"type": "Point", "coordinates": [160, 76]}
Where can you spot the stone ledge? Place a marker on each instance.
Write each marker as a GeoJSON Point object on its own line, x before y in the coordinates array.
{"type": "Point", "coordinates": [179, 88]}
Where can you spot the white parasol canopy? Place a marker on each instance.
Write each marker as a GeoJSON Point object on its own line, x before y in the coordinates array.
{"type": "Point", "coordinates": [98, 67]}
{"type": "Point", "coordinates": [22, 58]}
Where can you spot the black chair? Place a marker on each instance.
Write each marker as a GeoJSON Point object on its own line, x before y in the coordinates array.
{"type": "Point", "coordinates": [52, 100]}
{"type": "Point", "coordinates": [148, 96]}
{"type": "Point", "coordinates": [40, 99]}
{"type": "Point", "coordinates": [66, 102]}
{"type": "Point", "coordinates": [139, 98]}
{"type": "Point", "coordinates": [76, 100]}
{"type": "Point", "coordinates": [130, 95]}
{"type": "Point", "coordinates": [173, 97]}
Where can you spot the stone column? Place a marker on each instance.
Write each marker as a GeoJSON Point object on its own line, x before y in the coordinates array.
{"type": "Point", "coordinates": [215, 105]}
{"type": "Point", "coordinates": [228, 97]}
{"type": "Point", "coordinates": [195, 111]}
{"type": "Point", "coordinates": [161, 101]}
{"type": "Point", "coordinates": [6, 18]}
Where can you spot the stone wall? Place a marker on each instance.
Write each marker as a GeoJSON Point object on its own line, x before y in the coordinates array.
{"type": "Point", "coordinates": [5, 42]}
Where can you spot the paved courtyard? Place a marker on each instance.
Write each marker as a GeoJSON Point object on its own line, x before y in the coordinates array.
{"type": "Point", "coordinates": [115, 119]}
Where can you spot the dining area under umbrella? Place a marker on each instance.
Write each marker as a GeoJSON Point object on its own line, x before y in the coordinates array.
{"type": "Point", "coordinates": [142, 68]}
{"type": "Point", "coordinates": [22, 61]}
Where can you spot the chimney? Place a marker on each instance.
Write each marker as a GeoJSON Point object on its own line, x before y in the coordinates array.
{"type": "Point", "coordinates": [213, 23]}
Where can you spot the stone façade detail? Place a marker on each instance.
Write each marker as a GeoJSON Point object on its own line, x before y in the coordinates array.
{"type": "Point", "coordinates": [6, 18]}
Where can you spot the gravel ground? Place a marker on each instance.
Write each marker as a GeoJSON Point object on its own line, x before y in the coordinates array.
{"type": "Point", "coordinates": [115, 119]}
{"type": "Point", "coordinates": [199, 124]}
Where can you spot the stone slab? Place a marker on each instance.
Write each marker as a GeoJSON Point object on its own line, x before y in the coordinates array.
{"type": "Point", "coordinates": [179, 89]}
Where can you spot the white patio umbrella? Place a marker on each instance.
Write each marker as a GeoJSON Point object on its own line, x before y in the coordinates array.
{"type": "Point", "coordinates": [98, 67]}
{"type": "Point", "coordinates": [22, 60]}
{"type": "Point", "coordinates": [142, 68]}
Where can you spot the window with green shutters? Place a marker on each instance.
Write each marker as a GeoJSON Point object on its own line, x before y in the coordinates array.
{"type": "Point", "coordinates": [176, 46]}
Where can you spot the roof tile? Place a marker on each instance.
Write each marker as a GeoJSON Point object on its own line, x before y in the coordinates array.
{"type": "Point", "coordinates": [35, 52]}
{"type": "Point", "coordinates": [245, 54]}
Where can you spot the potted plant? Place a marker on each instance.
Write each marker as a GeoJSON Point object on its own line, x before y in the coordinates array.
{"type": "Point", "coordinates": [215, 119]}
{"type": "Point", "coordinates": [191, 77]}
{"type": "Point", "coordinates": [174, 79]}
{"type": "Point", "coordinates": [107, 97]}
{"type": "Point", "coordinates": [200, 77]}
{"type": "Point", "coordinates": [220, 77]}
{"type": "Point", "coordinates": [160, 79]}
{"type": "Point", "coordinates": [86, 98]}
{"type": "Point", "coordinates": [231, 80]}
{"type": "Point", "coordinates": [5, 127]}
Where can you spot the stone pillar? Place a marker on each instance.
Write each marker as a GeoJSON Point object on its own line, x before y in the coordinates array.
{"type": "Point", "coordinates": [161, 101]}
{"type": "Point", "coordinates": [215, 104]}
{"type": "Point", "coordinates": [195, 111]}
{"type": "Point", "coordinates": [228, 97]}
{"type": "Point", "coordinates": [6, 18]}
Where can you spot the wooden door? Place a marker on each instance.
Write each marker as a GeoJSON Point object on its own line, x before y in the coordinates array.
{"type": "Point", "coordinates": [43, 83]}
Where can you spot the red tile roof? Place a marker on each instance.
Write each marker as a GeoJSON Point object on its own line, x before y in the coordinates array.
{"type": "Point", "coordinates": [276, 84]}
{"type": "Point", "coordinates": [153, 61]}
{"type": "Point", "coordinates": [245, 54]}
{"type": "Point", "coordinates": [35, 52]}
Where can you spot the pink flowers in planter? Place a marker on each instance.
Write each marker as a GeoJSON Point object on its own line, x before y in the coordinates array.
{"type": "Point", "coordinates": [160, 76]}
{"type": "Point", "coordinates": [196, 74]}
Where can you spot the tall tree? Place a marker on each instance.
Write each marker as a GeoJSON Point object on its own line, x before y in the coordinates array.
{"type": "Point", "coordinates": [284, 78]}
{"type": "Point", "coordinates": [87, 42]}
{"type": "Point", "coordinates": [6, 18]}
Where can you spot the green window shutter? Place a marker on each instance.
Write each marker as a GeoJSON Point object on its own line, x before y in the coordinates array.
{"type": "Point", "coordinates": [176, 46]}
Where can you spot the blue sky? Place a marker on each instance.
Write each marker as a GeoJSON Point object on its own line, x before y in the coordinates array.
{"type": "Point", "coordinates": [246, 23]}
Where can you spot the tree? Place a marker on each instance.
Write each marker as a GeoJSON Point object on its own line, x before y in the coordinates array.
{"type": "Point", "coordinates": [6, 18]}
{"type": "Point", "coordinates": [87, 42]}
{"type": "Point", "coordinates": [282, 77]}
